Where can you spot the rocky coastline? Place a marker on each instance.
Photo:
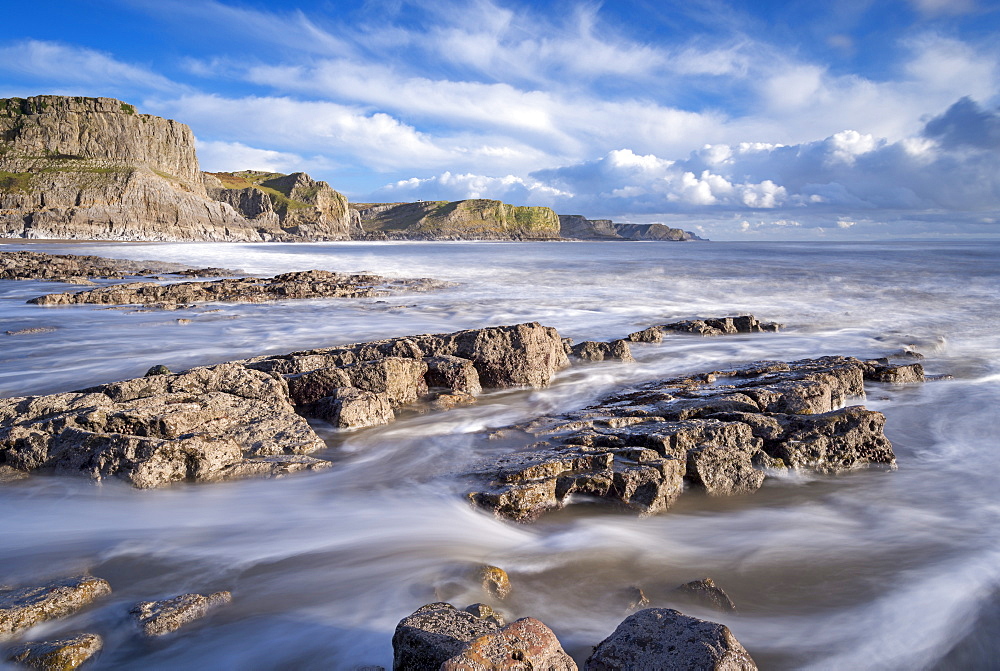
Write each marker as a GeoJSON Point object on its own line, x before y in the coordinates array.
{"type": "Point", "coordinates": [721, 431]}
{"type": "Point", "coordinates": [80, 168]}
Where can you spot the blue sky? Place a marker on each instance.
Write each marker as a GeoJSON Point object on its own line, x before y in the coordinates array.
{"type": "Point", "coordinates": [763, 120]}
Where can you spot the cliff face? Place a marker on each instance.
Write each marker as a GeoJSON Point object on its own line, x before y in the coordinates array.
{"type": "Point", "coordinates": [93, 168]}
{"type": "Point", "coordinates": [477, 219]}
{"type": "Point", "coordinates": [296, 203]}
{"type": "Point", "coordinates": [580, 228]}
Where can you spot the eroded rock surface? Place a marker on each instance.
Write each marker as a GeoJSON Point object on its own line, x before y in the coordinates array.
{"type": "Point", "coordinates": [704, 593]}
{"type": "Point", "coordinates": [712, 326]}
{"type": "Point", "coordinates": [156, 618]}
{"type": "Point", "coordinates": [439, 636]}
{"type": "Point", "coordinates": [304, 284]}
{"type": "Point", "coordinates": [24, 265]}
{"type": "Point", "coordinates": [248, 418]}
{"type": "Point", "coordinates": [27, 606]}
{"type": "Point", "coordinates": [662, 638]}
{"type": "Point", "coordinates": [59, 655]}
{"type": "Point", "coordinates": [718, 431]}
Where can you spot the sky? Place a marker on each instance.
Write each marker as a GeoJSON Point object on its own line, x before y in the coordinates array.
{"type": "Point", "coordinates": [798, 120]}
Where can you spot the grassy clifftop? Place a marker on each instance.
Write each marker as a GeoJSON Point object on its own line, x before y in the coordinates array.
{"type": "Point", "coordinates": [464, 219]}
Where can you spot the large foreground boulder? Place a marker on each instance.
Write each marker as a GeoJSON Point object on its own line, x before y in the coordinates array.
{"type": "Point", "coordinates": [661, 638]}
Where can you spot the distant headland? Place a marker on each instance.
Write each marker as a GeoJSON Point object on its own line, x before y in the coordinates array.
{"type": "Point", "coordinates": [81, 168]}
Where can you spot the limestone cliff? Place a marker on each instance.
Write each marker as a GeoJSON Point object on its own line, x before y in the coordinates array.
{"type": "Point", "coordinates": [93, 168]}
{"type": "Point", "coordinates": [577, 227]}
{"type": "Point", "coordinates": [300, 205]}
{"type": "Point", "coordinates": [476, 219]}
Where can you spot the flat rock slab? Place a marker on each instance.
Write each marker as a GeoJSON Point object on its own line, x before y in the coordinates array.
{"type": "Point", "coordinates": [662, 638]}
{"type": "Point", "coordinates": [60, 655]}
{"type": "Point", "coordinates": [73, 267]}
{"type": "Point", "coordinates": [25, 607]}
{"type": "Point", "coordinates": [156, 618]}
{"type": "Point", "coordinates": [296, 285]}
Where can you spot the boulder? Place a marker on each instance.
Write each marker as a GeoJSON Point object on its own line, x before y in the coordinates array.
{"type": "Point", "coordinates": [58, 655]}
{"type": "Point", "coordinates": [351, 408]}
{"type": "Point", "coordinates": [156, 618]}
{"type": "Point", "coordinates": [25, 607]}
{"type": "Point", "coordinates": [524, 644]}
{"type": "Point", "coordinates": [495, 581]}
{"type": "Point", "coordinates": [662, 638]}
{"type": "Point", "coordinates": [454, 373]}
{"type": "Point", "coordinates": [435, 633]}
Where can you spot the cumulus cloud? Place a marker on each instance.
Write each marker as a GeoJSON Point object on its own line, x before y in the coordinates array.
{"type": "Point", "coordinates": [215, 156]}
{"type": "Point", "coordinates": [966, 124]}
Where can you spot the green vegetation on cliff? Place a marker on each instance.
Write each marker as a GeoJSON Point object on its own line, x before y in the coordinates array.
{"type": "Point", "coordinates": [464, 219]}
{"type": "Point", "coordinates": [274, 184]}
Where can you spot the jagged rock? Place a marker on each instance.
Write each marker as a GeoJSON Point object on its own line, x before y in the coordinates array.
{"type": "Point", "coordinates": [523, 644]}
{"type": "Point", "coordinates": [59, 655]}
{"type": "Point", "coordinates": [476, 219]}
{"type": "Point", "coordinates": [297, 285]}
{"type": "Point", "coordinates": [243, 419]}
{"type": "Point", "coordinates": [590, 350]}
{"type": "Point", "coordinates": [435, 633]}
{"type": "Point", "coordinates": [22, 265]}
{"type": "Point", "coordinates": [156, 618]}
{"type": "Point", "coordinates": [635, 598]}
{"type": "Point", "coordinates": [25, 607]}
{"type": "Point", "coordinates": [705, 593]}
{"type": "Point", "coordinates": [454, 373]}
{"type": "Point", "coordinates": [495, 581]}
{"type": "Point", "coordinates": [720, 431]}
{"type": "Point", "coordinates": [708, 327]}
{"type": "Point", "coordinates": [883, 371]}
{"type": "Point", "coordinates": [662, 638]}
{"type": "Point", "coordinates": [350, 408]}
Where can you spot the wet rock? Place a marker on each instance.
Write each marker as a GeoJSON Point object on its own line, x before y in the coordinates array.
{"type": "Point", "coordinates": [720, 431]}
{"type": "Point", "coordinates": [27, 606]}
{"type": "Point", "coordinates": [400, 379]}
{"type": "Point", "coordinates": [23, 265]}
{"type": "Point", "coordinates": [896, 374]}
{"type": "Point", "coordinates": [662, 638]}
{"type": "Point", "coordinates": [590, 350]}
{"type": "Point", "coordinates": [454, 373]}
{"type": "Point", "coordinates": [350, 408]}
{"type": "Point", "coordinates": [723, 326]}
{"type": "Point", "coordinates": [435, 633]}
{"type": "Point", "coordinates": [59, 655]}
{"type": "Point", "coordinates": [653, 334]}
{"type": "Point", "coordinates": [524, 644]}
{"type": "Point", "coordinates": [11, 474]}
{"type": "Point", "coordinates": [704, 593]}
{"type": "Point", "coordinates": [495, 581]}
{"type": "Point", "coordinates": [32, 330]}
{"type": "Point", "coordinates": [158, 370]}
{"type": "Point", "coordinates": [635, 598]}
{"type": "Point", "coordinates": [295, 285]}
{"type": "Point", "coordinates": [276, 466]}
{"type": "Point", "coordinates": [156, 618]}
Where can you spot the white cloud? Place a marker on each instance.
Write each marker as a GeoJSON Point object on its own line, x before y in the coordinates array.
{"type": "Point", "coordinates": [215, 156]}
{"type": "Point", "coordinates": [56, 63]}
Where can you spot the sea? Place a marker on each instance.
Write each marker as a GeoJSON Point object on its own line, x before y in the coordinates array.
{"type": "Point", "coordinates": [871, 569]}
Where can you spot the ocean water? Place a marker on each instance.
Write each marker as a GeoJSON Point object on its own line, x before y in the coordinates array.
{"type": "Point", "coordinates": [867, 570]}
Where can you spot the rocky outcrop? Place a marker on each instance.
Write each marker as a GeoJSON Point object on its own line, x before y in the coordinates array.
{"type": "Point", "coordinates": [299, 205]}
{"type": "Point", "coordinates": [719, 432]}
{"type": "Point", "coordinates": [93, 168]}
{"type": "Point", "coordinates": [25, 607]}
{"type": "Point", "coordinates": [439, 636]}
{"type": "Point", "coordinates": [296, 285]}
{"type": "Point", "coordinates": [661, 638]}
{"type": "Point", "coordinates": [58, 655]}
{"type": "Point", "coordinates": [82, 269]}
{"type": "Point", "coordinates": [157, 618]}
{"type": "Point", "coordinates": [710, 326]}
{"type": "Point", "coordinates": [246, 418]}
{"type": "Point", "coordinates": [577, 227]}
{"type": "Point", "coordinates": [476, 219]}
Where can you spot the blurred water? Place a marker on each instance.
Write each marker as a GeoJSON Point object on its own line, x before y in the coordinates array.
{"type": "Point", "coordinates": [867, 570]}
